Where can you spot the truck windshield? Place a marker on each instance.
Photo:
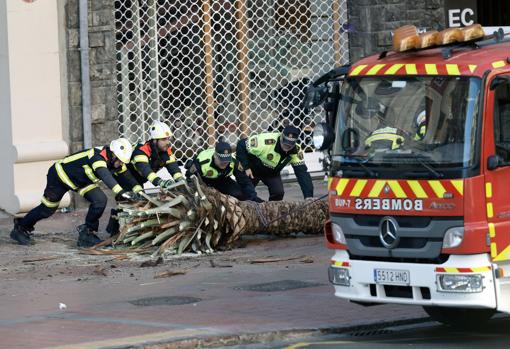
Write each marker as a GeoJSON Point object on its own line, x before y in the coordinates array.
{"type": "Point", "coordinates": [423, 124]}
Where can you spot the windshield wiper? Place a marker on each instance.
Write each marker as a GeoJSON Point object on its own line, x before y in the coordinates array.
{"type": "Point", "coordinates": [358, 158]}
{"type": "Point", "coordinates": [429, 168]}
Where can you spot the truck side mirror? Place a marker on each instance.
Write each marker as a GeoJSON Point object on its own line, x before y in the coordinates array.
{"type": "Point", "coordinates": [493, 162]}
{"type": "Point", "coordinates": [315, 96]}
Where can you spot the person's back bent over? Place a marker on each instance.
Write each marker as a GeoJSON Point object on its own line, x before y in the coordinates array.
{"type": "Point", "coordinates": [216, 166]}
{"type": "Point", "coordinates": [79, 172]}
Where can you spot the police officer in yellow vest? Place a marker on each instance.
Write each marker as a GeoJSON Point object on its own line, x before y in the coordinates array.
{"type": "Point", "coordinates": [262, 157]}
{"type": "Point", "coordinates": [216, 166]}
{"type": "Point", "coordinates": [80, 172]}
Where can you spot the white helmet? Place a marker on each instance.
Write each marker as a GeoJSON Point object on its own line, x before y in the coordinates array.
{"type": "Point", "coordinates": [160, 130]}
{"type": "Point", "coordinates": [122, 149]}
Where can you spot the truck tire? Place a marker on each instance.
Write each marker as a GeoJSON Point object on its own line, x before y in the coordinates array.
{"type": "Point", "coordinates": [460, 318]}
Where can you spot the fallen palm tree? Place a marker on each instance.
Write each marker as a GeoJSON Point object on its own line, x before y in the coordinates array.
{"type": "Point", "coordinates": [189, 216]}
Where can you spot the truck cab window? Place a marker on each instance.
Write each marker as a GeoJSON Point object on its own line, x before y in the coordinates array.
{"type": "Point", "coordinates": [502, 122]}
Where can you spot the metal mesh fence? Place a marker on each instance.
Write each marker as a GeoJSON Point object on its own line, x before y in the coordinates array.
{"type": "Point", "coordinates": [229, 68]}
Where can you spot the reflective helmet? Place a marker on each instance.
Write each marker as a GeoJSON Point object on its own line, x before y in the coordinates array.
{"type": "Point", "coordinates": [384, 138]}
{"type": "Point", "coordinates": [122, 149]}
{"type": "Point", "coordinates": [160, 130]}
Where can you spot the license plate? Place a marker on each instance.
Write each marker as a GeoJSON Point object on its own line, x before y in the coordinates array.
{"type": "Point", "coordinates": [392, 277]}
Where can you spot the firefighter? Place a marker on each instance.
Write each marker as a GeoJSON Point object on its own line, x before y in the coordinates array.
{"type": "Point", "coordinates": [393, 138]}
{"type": "Point", "coordinates": [151, 156]}
{"type": "Point", "coordinates": [262, 157]}
{"type": "Point", "coordinates": [147, 159]}
{"type": "Point", "coordinates": [216, 166]}
{"type": "Point", "coordinates": [79, 172]}
{"type": "Point", "coordinates": [385, 138]}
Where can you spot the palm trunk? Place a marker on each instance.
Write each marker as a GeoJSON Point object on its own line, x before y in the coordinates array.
{"type": "Point", "coordinates": [279, 218]}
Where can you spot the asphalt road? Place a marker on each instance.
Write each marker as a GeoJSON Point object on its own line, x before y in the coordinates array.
{"type": "Point", "coordinates": [495, 334]}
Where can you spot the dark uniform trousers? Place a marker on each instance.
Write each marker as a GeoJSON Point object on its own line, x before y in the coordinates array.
{"type": "Point", "coordinates": [225, 185]}
{"type": "Point", "coordinates": [54, 191]}
{"type": "Point", "coordinates": [274, 185]}
{"type": "Point", "coordinates": [127, 183]}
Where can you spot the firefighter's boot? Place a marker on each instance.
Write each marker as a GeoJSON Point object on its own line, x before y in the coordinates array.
{"type": "Point", "coordinates": [86, 237]}
{"type": "Point", "coordinates": [20, 233]}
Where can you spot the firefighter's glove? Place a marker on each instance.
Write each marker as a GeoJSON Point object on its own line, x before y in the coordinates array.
{"type": "Point", "coordinates": [165, 183]}
{"type": "Point", "coordinates": [131, 196]}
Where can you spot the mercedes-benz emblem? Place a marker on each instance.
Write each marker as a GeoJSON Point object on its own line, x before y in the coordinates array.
{"type": "Point", "coordinates": [388, 234]}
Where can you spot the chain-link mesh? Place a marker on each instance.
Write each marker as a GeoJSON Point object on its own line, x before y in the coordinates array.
{"type": "Point", "coordinates": [228, 68]}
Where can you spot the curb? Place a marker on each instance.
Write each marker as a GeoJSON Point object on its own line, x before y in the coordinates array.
{"type": "Point", "coordinates": [267, 337]}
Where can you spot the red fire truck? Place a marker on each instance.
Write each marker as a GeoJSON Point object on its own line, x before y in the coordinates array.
{"type": "Point", "coordinates": [418, 142]}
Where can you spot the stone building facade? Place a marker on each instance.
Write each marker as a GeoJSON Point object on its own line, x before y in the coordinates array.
{"type": "Point", "coordinates": [372, 22]}
{"type": "Point", "coordinates": [102, 72]}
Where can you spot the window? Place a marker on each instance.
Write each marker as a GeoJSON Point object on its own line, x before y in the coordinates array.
{"type": "Point", "coordinates": [502, 121]}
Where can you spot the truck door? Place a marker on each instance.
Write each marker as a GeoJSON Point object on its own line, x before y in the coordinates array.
{"type": "Point", "coordinates": [497, 179]}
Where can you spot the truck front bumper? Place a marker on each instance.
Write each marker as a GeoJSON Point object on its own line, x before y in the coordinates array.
{"type": "Point", "coordinates": [415, 283]}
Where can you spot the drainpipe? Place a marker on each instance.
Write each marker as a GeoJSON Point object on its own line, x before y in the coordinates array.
{"type": "Point", "coordinates": [85, 78]}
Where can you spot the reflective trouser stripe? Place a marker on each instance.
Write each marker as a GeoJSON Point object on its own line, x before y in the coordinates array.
{"type": "Point", "coordinates": [177, 175]}
{"type": "Point", "coordinates": [137, 188]}
{"type": "Point", "coordinates": [48, 203]}
{"type": "Point", "coordinates": [117, 189]}
{"type": "Point", "coordinates": [63, 176]}
{"type": "Point", "coordinates": [86, 189]}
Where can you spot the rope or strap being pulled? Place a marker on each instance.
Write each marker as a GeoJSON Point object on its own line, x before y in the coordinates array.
{"type": "Point", "coordinates": [260, 215]}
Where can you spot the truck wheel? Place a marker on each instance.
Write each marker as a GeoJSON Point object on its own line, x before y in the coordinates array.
{"type": "Point", "coordinates": [460, 317]}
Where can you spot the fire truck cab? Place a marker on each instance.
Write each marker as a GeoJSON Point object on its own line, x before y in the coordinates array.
{"type": "Point", "coordinates": [419, 178]}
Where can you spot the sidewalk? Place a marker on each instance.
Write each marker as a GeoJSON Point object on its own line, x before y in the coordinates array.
{"type": "Point", "coordinates": [113, 302]}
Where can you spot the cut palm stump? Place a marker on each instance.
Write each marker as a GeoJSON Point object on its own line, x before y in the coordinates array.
{"type": "Point", "coordinates": [190, 217]}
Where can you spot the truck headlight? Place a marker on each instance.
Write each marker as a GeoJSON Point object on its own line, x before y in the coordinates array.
{"type": "Point", "coordinates": [323, 136]}
{"type": "Point", "coordinates": [453, 237]}
{"type": "Point", "coordinates": [318, 136]}
{"type": "Point", "coordinates": [460, 283]}
{"type": "Point", "coordinates": [339, 276]}
{"type": "Point", "coordinates": [338, 234]}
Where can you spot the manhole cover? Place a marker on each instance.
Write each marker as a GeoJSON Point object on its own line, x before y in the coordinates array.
{"type": "Point", "coordinates": [144, 302]}
{"type": "Point", "coordinates": [283, 285]}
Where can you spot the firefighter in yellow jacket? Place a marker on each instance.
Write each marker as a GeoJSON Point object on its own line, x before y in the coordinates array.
{"type": "Point", "coordinates": [80, 172]}
{"type": "Point", "coordinates": [150, 157]}
{"type": "Point", "coordinates": [147, 159]}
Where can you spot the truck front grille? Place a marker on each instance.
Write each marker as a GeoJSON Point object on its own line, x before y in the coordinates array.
{"type": "Point", "coordinates": [419, 237]}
